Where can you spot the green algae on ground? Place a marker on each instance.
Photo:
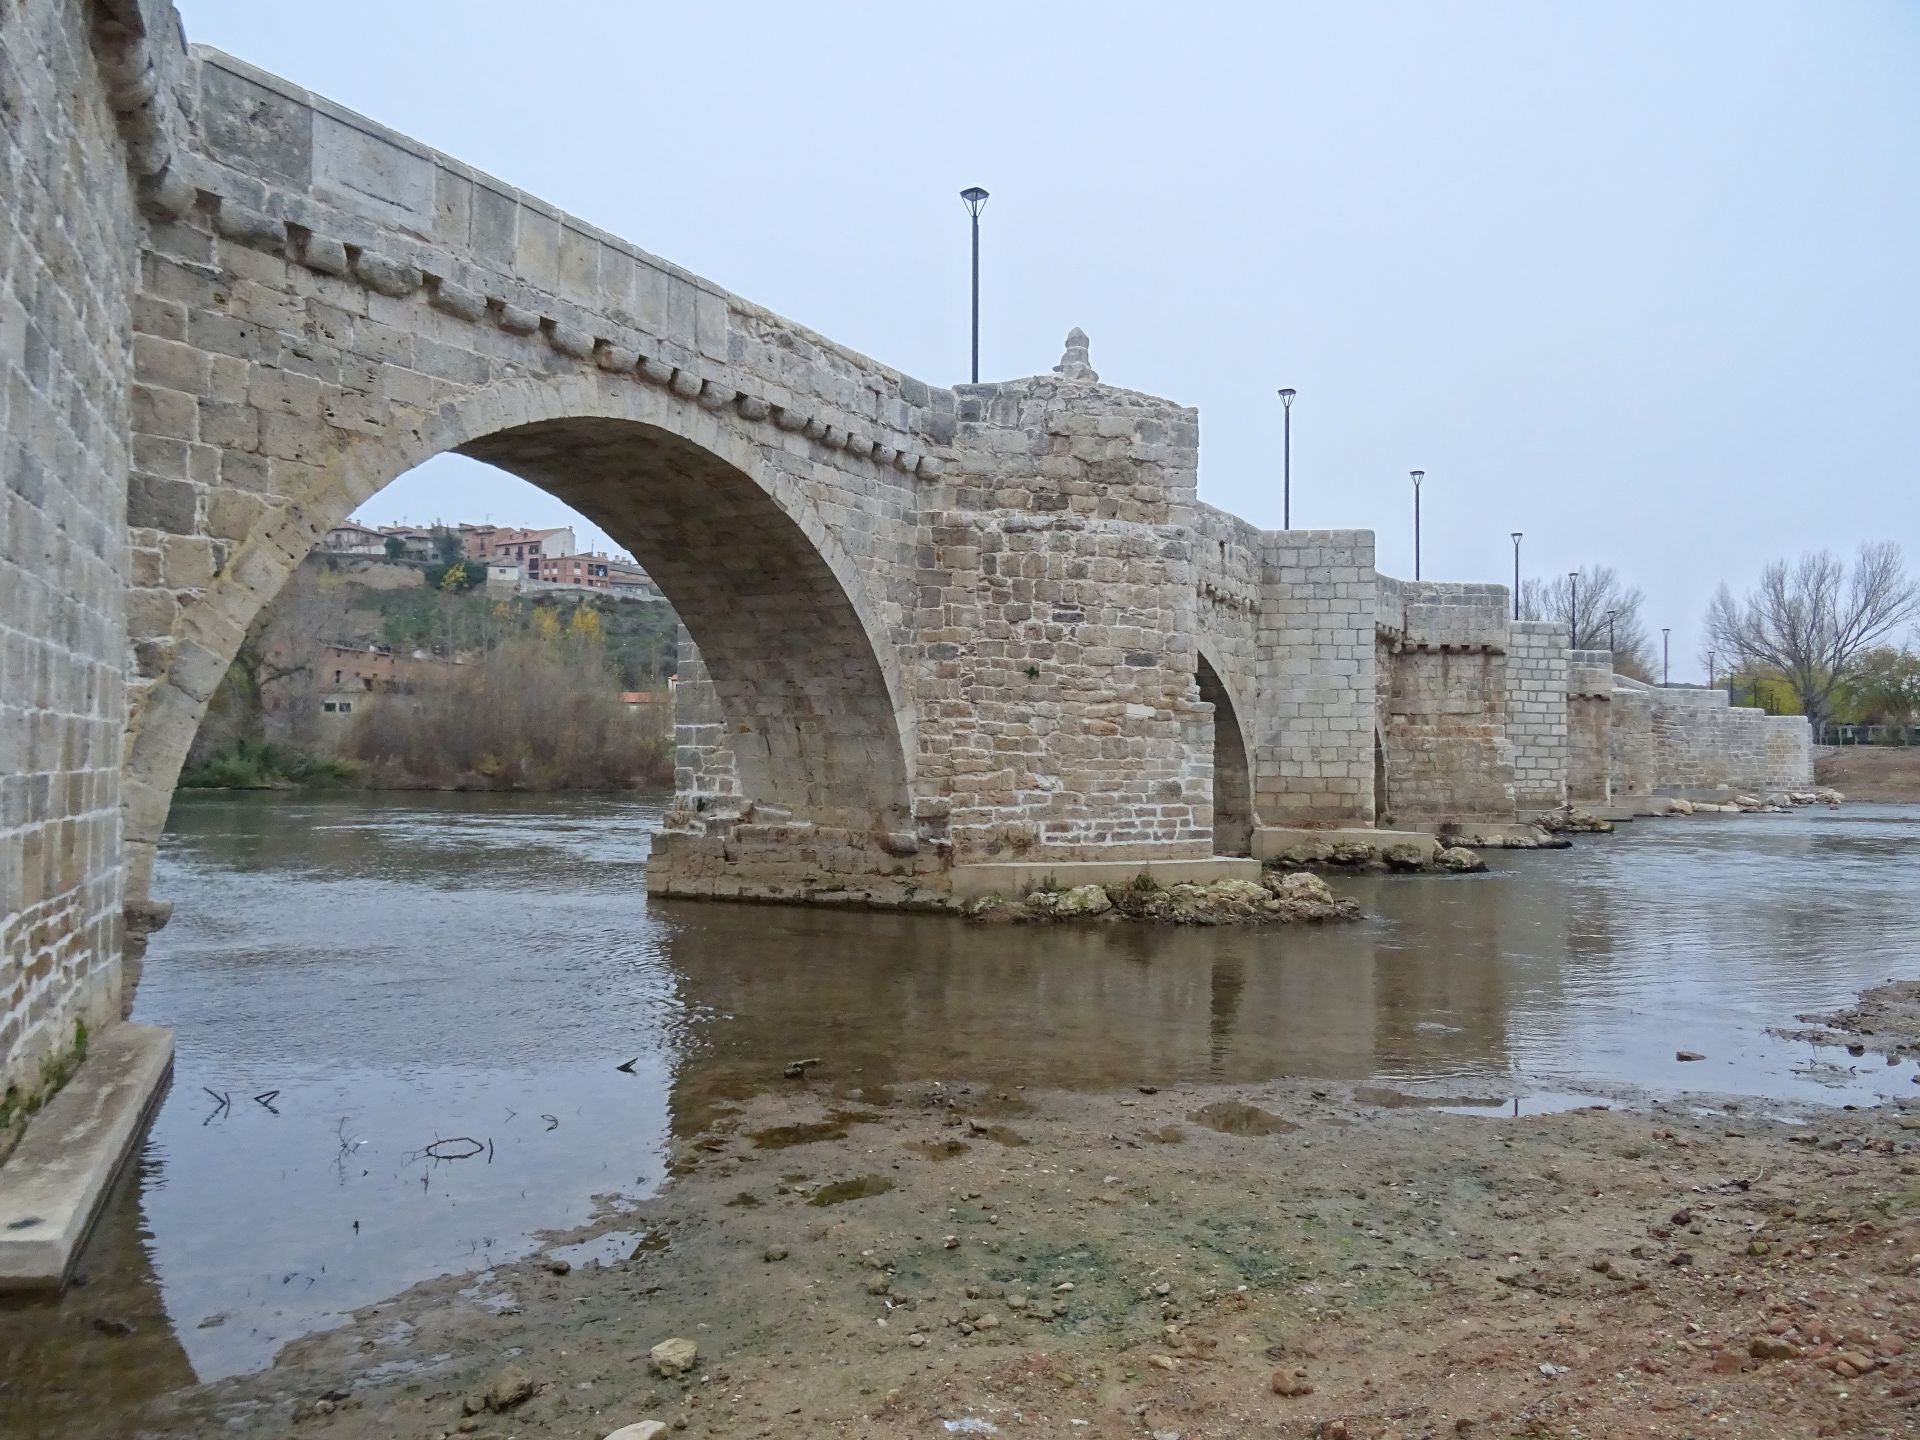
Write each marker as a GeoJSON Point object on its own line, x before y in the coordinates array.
{"type": "Point", "coordinates": [834, 1127]}
{"type": "Point", "coordinates": [1233, 1117]}
{"type": "Point", "coordinates": [858, 1188]}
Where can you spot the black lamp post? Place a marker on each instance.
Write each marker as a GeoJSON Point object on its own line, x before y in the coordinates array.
{"type": "Point", "coordinates": [1712, 682]}
{"type": "Point", "coordinates": [1610, 615]}
{"type": "Point", "coordinates": [1516, 573]}
{"type": "Point", "coordinates": [1573, 610]}
{"type": "Point", "coordinates": [974, 198]}
{"type": "Point", "coordinates": [1666, 640]}
{"type": "Point", "coordinates": [1286, 473]}
{"type": "Point", "coordinates": [1418, 476]}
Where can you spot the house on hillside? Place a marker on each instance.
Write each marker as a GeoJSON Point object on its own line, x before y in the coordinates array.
{"type": "Point", "coordinates": [575, 572]}
{"type": "Point", "coordinates": [630, 582]}
{"type": "Point", "coordinates": [349, 538]}
{"type": "Point", "coordinates": [417, 542]}
{"type": "Point", "coordinates": [521, 545]}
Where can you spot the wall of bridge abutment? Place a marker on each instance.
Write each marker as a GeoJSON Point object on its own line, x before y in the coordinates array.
{"type": "Point", "coordinates": [70, 166]}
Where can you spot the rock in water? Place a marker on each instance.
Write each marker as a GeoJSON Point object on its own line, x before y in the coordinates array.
{"type": "Point", "coordinates": [1404, 856]}
{"type": "Point", "coordinates": [1082, 900]}
{"type": "Point", "coordinates": [1460, 860]}
{"type": "Point", "coordinates": [675, 1356]}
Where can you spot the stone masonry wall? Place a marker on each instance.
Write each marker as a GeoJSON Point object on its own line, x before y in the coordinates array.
{"type": "Point", "coordinates": [1055, 623]}
{"type": "Point", "coordinates": [1701, 742]}
{"type": "Point", "coordinates": [1313, 730]}
{"type": "Point", "coordinates": [1537, 716]}
{"type": "Point", "coordinates": [1630, 739]}
{"type": "Point", "coordinates": [704, 773]}
{"type": "Point", "coordinates": [68, 221]}
{"type": "Point", "coordinates": [1448, 756]}
{"type": "Point", "coordinates": [1589, 726]}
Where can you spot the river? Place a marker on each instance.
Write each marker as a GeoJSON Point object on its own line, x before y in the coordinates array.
{"type": "Point", "coordinates": [360, 985]}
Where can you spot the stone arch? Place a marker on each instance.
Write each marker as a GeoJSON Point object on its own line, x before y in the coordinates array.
{"type": "Point", "coordinates": [797, 647]}
{"type": "Point", "coordinates": [1233, 818]}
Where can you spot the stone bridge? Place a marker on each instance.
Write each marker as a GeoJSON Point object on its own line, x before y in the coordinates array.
{"type": "Point", "coordinates": [949, 638]}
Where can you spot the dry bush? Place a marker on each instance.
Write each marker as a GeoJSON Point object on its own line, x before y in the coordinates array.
{"type": "Point", "coordinates": [538, 711]}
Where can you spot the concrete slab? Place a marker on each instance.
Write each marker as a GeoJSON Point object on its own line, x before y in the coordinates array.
{"type": "Point", "coordinates": [53, 1184]}
{"type": "Point", "coordinates": [1021, 877]}
{"type": "Point", "coordinates": [1270, 840]}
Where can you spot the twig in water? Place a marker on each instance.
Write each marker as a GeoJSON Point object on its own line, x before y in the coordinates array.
{"type": "Point", "coordinates": [627, 1069]}
{"type": "Point", "coordinates": [553, 1121]}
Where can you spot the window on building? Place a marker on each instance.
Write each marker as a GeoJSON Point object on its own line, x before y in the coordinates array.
{"type": "Point", "coordinates": [336, 676]}
{"type": "Point", "coordinates": [346, 707]}
{"type": "Point", "coordinates": [328, 706]}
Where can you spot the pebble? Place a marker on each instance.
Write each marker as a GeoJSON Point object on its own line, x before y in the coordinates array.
{"type": "Point", "coordinates": [775, 1252]}
{"type": "Point", "coordinates": [641, 1430]}
{"type": "Point", "coordinates": [1686, 1055]}
{"type": "Point", "coordinates": [1290, 1383]}
{"type": "Point", "coordinates": [559, 1267]}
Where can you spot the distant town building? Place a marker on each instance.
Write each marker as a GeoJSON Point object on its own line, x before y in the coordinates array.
{"type": "Point", "coordinates": [352, 678]}
{"type": "Point", "coordinates": [417, 542]}
{"type": "Point", "coordinates": [349, 538]}
{"type": "Point", "coordinates": [583, 572]}
{"type": "Point", "coordinates": [630, 581]}
{"type": "Point", "coordinates": [521, 545]}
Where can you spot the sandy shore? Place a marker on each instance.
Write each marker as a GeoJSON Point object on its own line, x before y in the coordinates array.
{"type": "Point", "coordinates": [1885, 774]}
{"type": "Point", "coordinates": [1277, 1260]}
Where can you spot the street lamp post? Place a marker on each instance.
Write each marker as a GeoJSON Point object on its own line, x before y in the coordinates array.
{"type": "Point", "coordinates": [1418, 476]}
{"type": "Point", "coordinates": [1286, 481]}
{"type": "Point", "coordinates": [1573, 611]}
{"type": "Point", "coordinates": [974, 198]}
{"type": "Point", "coordinates": [1712, 682]}
{"type": "Point", "coordinates": [1516, 573]}
{"type": "Point", "coordinates": [1666, 639]}
{"type": "Point", "coordinates": [1610, 615]}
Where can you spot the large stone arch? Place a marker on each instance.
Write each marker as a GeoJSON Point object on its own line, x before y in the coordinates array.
{"type": "Point", "coordinates": [802, 659]}
{"type": "Point", "coordinates": [1233, 815]}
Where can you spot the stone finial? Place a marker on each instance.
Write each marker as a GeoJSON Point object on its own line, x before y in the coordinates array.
{"type": "Point", "coordinates": [1075, 364]}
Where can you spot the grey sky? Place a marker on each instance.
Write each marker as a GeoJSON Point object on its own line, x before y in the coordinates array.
{"type": "Point", "coordinates": [1639, 279]}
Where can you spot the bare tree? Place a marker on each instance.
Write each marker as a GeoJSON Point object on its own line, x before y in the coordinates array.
{"type": "Point", "coordinates": [1809, 620]}
{"type": "Point", "coordinates": [1602, 612]}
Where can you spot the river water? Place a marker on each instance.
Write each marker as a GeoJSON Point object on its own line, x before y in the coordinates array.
{"type": "Point", "coordinates": [361, 984]}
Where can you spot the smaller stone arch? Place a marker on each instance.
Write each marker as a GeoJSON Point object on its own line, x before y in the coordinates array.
{"type": "Point", "coordinates": [1233, 815]}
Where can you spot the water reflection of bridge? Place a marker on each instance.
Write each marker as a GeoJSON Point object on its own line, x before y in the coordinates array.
{"type": "Point", "coordinates": [887, 999]}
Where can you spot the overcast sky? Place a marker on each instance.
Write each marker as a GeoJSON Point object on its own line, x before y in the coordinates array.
{"type": "Point", "coordinates": [1641, 280]}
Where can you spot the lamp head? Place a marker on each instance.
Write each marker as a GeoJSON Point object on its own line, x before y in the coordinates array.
{"type": "Point", "coordinates": [974, 198]}
{"type": "Point", "coordinates": [1418, 476]}
{"type": "Point", "coordinates": [1286, 398]}
{"type": "Point", "coordinates": [1516, 537]}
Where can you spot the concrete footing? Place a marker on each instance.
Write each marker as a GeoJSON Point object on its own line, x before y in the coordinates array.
{"type": "Point", "coordinates": [53, 1184]}
{"type": "Point", "coordinates": [1270, 840]}
{"type": "Point", "coordinates": [1023, 877]}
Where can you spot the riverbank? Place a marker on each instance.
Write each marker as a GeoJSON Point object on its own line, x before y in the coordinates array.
{"type": "Point", "coordinates": [1881, 774]}
{"type": "Point", "coordinates": [1286, 1259]}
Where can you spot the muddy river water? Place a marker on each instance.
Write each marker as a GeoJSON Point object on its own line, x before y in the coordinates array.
{"type": "Point", "coordinates": [364, 987]}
